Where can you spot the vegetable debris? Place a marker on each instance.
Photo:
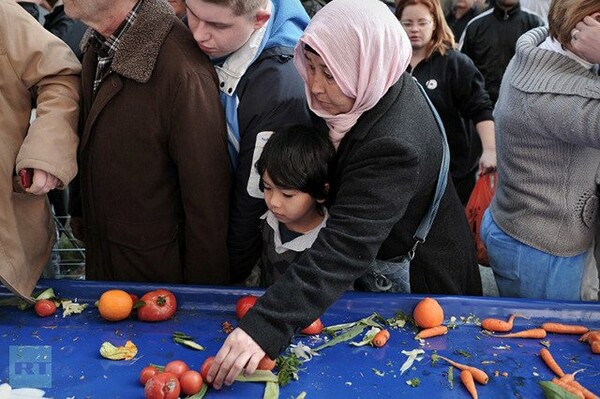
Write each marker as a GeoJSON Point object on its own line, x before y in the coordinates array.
{"type": "Point", "coordinates": [125, 352]}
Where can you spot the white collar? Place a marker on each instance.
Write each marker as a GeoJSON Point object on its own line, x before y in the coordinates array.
{"type": "Point", "coordinates": [553, 45]}
{"type": "Point", "coordinates": [237, 63]}
{"type": "Point", "coordinates": [299, 243]}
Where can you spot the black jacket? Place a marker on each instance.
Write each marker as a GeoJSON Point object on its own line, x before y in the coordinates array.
{"type": "Point", "coordinates": [271, 95]}
{"type": "Point", "coordinates": [490, 39]}
{"type": "Point", "coordinates": [384, 181]}
{"type": "Point", "coordinates": [457, 90]}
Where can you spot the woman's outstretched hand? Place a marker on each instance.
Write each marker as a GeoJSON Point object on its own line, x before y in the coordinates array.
{"type": "Point", "coordinates": [239, 352]}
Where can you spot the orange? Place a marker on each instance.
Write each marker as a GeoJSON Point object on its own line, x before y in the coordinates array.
{"type": "Point", "coordinates": [115, 305]}
{"type": "Point", "coordinates": [428, 313]}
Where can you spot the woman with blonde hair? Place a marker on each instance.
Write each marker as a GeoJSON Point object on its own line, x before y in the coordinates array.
{"type": "Point", "coordinates": [456, 89]}
{"type": "Point", "coordinates": [541, 222]}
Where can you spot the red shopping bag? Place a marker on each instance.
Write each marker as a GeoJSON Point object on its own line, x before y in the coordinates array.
{"type": "Point", "coordinates": [478, 202]}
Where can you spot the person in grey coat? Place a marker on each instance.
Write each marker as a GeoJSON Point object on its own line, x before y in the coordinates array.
{"type": "Point", "coordinates": [389, 154]}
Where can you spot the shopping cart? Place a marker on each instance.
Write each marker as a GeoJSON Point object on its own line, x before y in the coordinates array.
{"type": "Point", "coordinates": [68, 254]}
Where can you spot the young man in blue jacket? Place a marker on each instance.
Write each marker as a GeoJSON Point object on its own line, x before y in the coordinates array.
{"type": "Point", "coordinates": [251, 45]}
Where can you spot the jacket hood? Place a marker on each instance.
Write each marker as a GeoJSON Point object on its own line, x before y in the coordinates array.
{"type": "Point", "coordinates": [288, 23]}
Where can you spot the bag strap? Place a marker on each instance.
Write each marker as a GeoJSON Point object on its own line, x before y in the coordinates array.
{"type": "Point", "coordinates": [425, 225]}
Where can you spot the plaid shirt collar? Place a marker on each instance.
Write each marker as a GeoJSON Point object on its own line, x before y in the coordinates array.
{"type": "Point", "coordinates": [106, 48]}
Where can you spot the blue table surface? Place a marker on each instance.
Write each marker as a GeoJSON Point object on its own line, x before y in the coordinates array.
{"type": "Point", "coordinates": [342, 371]}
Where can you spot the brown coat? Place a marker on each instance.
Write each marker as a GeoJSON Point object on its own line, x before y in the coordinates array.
{"type": "Point", "coordinates": [32, 59]}
{"type": "Point", "coordinates": [154, 171]}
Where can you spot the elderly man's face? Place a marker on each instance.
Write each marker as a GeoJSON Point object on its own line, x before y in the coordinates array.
{"type": "Point", "coordinates": [84, 10]}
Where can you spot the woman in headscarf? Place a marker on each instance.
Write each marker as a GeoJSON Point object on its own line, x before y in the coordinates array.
{"type": "Point", "coordinates": [390, 146]}
{"type": "Point", "coordinates": [541, 222]}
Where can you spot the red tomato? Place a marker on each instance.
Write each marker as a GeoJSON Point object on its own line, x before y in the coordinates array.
{"type": "Point", "coordinates": [158, 305]}
{"type": "Point", "coordinates": [266, 363]}
{"type": "Point", "coordinates": [191, 382]}
{"type": "Point", "coordinates": [206, 366]}
{"type": "Point", "coordinates": [177, 367]}
{"type": "Point", "coordinates": [244, 304]}
{"type": "Point", "coordinates": [162, 386]}
{"type": "Point", "coordinates": [45, 307]}
{"type": "Point", "coordinates": [147, 373]}
{"type": "Point", "coordinates": [314, 328]}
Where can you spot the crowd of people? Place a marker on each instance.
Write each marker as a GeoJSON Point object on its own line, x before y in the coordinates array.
{"type": "Point", "coordinates": [245, 142]}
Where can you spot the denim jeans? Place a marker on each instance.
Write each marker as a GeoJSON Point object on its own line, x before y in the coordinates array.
{"type": "Point", "coordinates": [522, 271]}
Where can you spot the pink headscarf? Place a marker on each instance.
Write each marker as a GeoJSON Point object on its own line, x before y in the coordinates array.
{"type": "Point", "coordinates": [365, 49]}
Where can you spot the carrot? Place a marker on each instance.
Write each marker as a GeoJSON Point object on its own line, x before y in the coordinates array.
{"type": "Point", "coordinates": [569, 388]}
{"type": "Point", "coordinates": [536, 333]}
{"type": "Point", "coordinates": [560, 328]}
{"type": "Point", "coordinates": [498, 325]}
{"type": "Point", "coordinates": [550, 362]}
{"type": "Point", "coordinates": [432, 332]}
{"type": "Point", "coordinates": [590, 336]}
{"type": "Point", "coordinates": [479, 375]}
{"type": "Point", "coordinates": [587, 394]}
{"type": "Point", "coordinates": [595, 346]}
{"type": "Point", "coordinates": [381, 338]}
{"type": "Point", "coordinates": [467, 379]}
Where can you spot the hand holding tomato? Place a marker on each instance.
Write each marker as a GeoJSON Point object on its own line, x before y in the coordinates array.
{"type": "Point", "coordinates": [158, 305]}
{"type": "Point", "coordinates": [237, 346]}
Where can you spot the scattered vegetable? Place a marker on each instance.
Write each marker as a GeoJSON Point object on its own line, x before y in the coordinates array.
{"type": "Point", "coordinates": [162, 386]}
{"type": "Point", "coordinates": [413, 382]}
{"type": "Point", "coordinates": [535, 333]}
{"type": "Point", "coordinates": [187, 340]}
{"type": "Point", "coordinates": [575, 391]}
{"type": "Point", "coordinates": [415, 354]}
{"type": "Point", "coordinates": [368, 337]}
{"type": "Point", "coordinates": [592, 338]}
{"type": "Point", "coordinates": [381, 338]}
{"type": "Point", "coordinates": [432, 332]}
{"type": "Point", "coordinates": [314, 328]}
{"type": "Point", "coordinates": [553, 391]}
{"type": "Point", "coordinates": [177, 367]}
{"type": "Point", "coordinates": [45, 307]}
{"type": "Point", "coordinates": [191, 382]}
{"type": "Point", "coordinates": [271, 390]}
{"type": "Point", "coordinates": [158, 305]}
{"type": "Point", "coordinates": [428, 313]}
{"type": "Point", "coordinates": [288, 367]}
{"type": "Point", "coordinates": [560, 328]}
{"type": "Point", "coordinates": [70, 307]}
{"type": "Point", "coordinates": [266, 363]}
{"type": "Point", "coordinates": [244, 304]}
{"type": "Point", "coordinates": [467, 379]}
{"type": "Point", "coordinates": [498, 325]}
{"type": "Point", "coordinates": [479, 375]}
{"type": "Point", "coordinates": [115, 305]}
{"type": "Point", "coordinates": [208, 362]}
{"type": "Point", "coordinates": [258, 376]}
{"type": "Point", "coordinates": [125, 352]}
{"type": "Point", "coordinates": [550, 362]}
{"type": "Point", "coordinates": [147, 373]}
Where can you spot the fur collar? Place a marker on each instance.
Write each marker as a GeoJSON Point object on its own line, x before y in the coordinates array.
{"type": "Point", "coordinates": [139, 48]}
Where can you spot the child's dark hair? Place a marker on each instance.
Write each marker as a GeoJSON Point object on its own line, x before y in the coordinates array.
{"type": "Point", "coordinates": [298, 157]}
